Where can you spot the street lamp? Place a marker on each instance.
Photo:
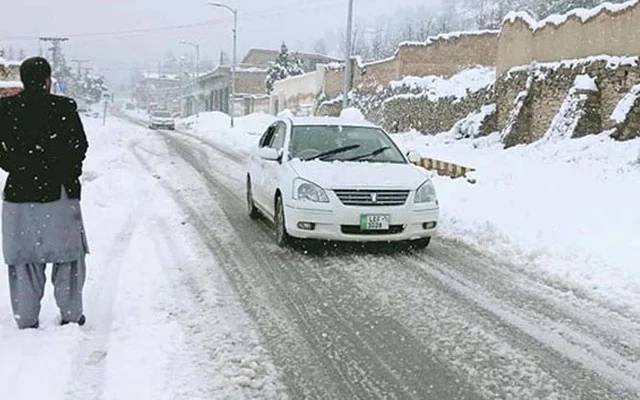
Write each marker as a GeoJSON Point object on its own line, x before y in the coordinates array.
{"type": "Point", "coordinates": [234, 11]}
{"type": "Point", "coordinates": [196, 46]}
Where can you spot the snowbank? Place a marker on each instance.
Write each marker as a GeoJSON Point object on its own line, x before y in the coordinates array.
{"type": "Point", "coordinates": [626, 104]}
{"type": "Point", "coordinates": [141, 338]}
{"type": "Point", "coordinates": [613, 62]}
{"type": "Point", "coordinates": [435, 87]}
{"type": "Point", "coordinates": [216, 127]}
{"type": "Point", "coordinates": [568, 208]}
{"type": "Point", "coordinates": [449, 36]}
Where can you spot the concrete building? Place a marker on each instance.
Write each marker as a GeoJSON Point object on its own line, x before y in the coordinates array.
{"type": "Point", "coordinates": [163, 90]}
{"type": "Point", "coordinates": [310, 61]}
{"type": "Point", "coordinates": [211, 91]}
{"type": "Point", "coordinates": [298, 94]}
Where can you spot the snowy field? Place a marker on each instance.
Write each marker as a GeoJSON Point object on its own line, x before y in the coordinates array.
{"type": "Point", "coordinates": [144, 336]}
{"type": "Point", "coordinates": [566, 209]}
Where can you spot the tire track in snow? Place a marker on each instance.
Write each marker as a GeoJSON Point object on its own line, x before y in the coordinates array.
{"type": "Point", "coordinates": [590, 384]}
{"type": "Point", "coordinates": [365, 354]}
{"type": "Point", "coordinates": [87, 382]}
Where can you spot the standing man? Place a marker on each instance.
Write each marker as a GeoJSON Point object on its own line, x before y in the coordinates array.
{"type": "Point", "coordinates": [42, 147]}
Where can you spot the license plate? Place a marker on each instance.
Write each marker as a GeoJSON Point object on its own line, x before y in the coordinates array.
{"type": "Point", "coordinates": [374, 222]}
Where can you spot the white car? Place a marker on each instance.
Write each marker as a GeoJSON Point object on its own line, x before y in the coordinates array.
{"type": "Point", "coordinates": [162, 120]}
{"type": "Point", "coordinates": [328, 179]}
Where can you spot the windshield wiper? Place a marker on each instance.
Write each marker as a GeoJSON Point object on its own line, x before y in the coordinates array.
{"type": "Point", "coordinates": [372, 154]}
{"type": "Point", "coordinates": [334, 152]}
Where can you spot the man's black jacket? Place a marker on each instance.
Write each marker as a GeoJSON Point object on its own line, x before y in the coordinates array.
{"type": "Point", "coordinates": [42, 147]}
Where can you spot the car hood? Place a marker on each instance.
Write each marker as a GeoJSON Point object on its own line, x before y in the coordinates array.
{"type": "Point", "coordinates": [360, 175]}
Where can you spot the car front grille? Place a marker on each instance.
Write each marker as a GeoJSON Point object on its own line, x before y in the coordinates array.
{"type": "Point", "coordinates": [373, 198]}
{"type": "Point", "coordinates": [357, 230]}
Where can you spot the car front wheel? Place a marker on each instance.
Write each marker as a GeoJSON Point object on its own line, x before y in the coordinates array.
{"type": "Point", "coordinates": [282, 237]}
{"type": "Point", "coordinates": [420, 244]}
{"type": "Point", "coordinates": [251, 205]}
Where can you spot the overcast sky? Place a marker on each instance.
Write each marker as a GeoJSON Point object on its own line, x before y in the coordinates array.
{"type": "Point", "coordinates": [263, 23]}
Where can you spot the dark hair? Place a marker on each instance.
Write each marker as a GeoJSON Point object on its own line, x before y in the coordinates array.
{"type": "Point", "coordinates": [34, 72]}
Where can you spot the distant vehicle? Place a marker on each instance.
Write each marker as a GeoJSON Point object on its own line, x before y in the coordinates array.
{"type": "Point", "coordinates": [328, 179]}
{"type": "Point", "coordinates": [161, 119]}
{"type": "Point", "coordinates": [130, 106]}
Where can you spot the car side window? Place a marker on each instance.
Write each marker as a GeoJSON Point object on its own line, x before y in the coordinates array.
{"type": "Point", "coordinates": [267, 138]}
{"type": "Point", "coordinates": [280, 134]}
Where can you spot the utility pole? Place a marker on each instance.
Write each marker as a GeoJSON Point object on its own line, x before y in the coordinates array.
{"type": "Point", "coordinates": [232, 97]}
{"type": "Point", "coordinates": [79, 65]}
{"type": "Point", "coordinates": [57, 59]}
{"type": "Point", "coordinates": [56, 49]}
{"type": "Point", "coordinates": [348, 68]}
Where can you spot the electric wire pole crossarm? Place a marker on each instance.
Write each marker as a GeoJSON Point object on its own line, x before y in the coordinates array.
{"type": "Point", "coordinates": [234, 11]}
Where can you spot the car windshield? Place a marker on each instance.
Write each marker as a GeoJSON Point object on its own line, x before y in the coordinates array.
{"type": "Point", "coordinates": [162, 114]}
{"type": "Point", "coordinates": [344, 143]}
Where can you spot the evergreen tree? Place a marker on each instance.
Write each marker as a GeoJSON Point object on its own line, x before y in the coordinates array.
{"type": "Point", "coordinates": [285, 66]}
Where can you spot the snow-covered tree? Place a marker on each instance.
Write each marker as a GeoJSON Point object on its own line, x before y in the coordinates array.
{"type": "Point", "coordinates": [285, 66]}
{"type": "Point", "coordinates": [546, 8]}
{"type": "Point", "coordinates": [320, 47]}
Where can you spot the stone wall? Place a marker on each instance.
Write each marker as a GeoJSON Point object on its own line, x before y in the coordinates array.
{"type": "Point", "coordinates": [251, 81]}
{"type": "Point", "coordinates": [400, 109]}
{"type": "Point", "coordinates": [298, 94]}
{"type": "Point", "coordinates": [529, 98]}
{"type": "Point", "coordinates": [333, 83]}
{"type": "Point", "coordinates": [611, 30]}
{"type": "Point", "coordinates": [9, 71]}
{"type": "Point", "coordinates": [446, 55]}
{"type": "Point", "coordinates": [431, 117]}
{"type": "Point", "coordinates": [443, 55]}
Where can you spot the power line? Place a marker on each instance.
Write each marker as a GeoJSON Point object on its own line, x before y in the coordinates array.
{"type": "Point", "coordinates": [293, 6]}
{"type": "Point", "coordinates": [122, 32]}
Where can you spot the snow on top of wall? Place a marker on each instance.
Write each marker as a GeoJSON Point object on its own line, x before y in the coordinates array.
{"type": "Point", "coordinates": [448, 36]}
{"type": "Point", "coordinates": [428, 42]}
{"type": "Point", "coordinates": [252, 69]}
{"type": "Point", "coordinates": [377, 62]}
{"type": "Point", "coordinates": [558, 19]}
{"type": "Point", "coordinates": [436, 87]}
{"type": "Point", "coordinates": [155, 75]}
{"type": "Point", "coordinates": [10, 84]}
{"type": "Point", "coordinates": [6, 62]}
{"type": "Point", "coordinates": [623, 108]}
{"type": "Point", "coordinates": [585, 82]}
{"type": "Point", "coordinates": [613, 62]}
{"type": "Point", "coordinates": [352, 114]}
{"type": "Point", "coordinates": [334, 66]}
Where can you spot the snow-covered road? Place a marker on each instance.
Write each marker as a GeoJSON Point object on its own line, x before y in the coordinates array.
{"type": "Point", "coordinates": [188, 298]}
{"type": "Point", "coordinates": [386, 323]}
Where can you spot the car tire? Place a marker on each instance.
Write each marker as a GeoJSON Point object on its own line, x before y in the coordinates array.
{"type": "Point", "coordinates": [251, 205]}
{"type": "Point", "coordinates": [420, 244]}
{"type": "Point", "coordinates": [282, 237]}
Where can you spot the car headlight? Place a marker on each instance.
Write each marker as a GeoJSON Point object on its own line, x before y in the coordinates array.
{"type": "Point", "coordinates": [304, 190]}
{"type": "Point", "coordinates": [426, 193]}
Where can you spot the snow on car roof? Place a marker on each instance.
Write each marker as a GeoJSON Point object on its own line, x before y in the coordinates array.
{"type": "Point", "coordinates": [330, 121]}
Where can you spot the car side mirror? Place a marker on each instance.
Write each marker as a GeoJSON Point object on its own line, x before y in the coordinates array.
{"type": "Point", "coordinates": [269, 154]}
{"type": "Point", "coordinates": [414, 157]}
